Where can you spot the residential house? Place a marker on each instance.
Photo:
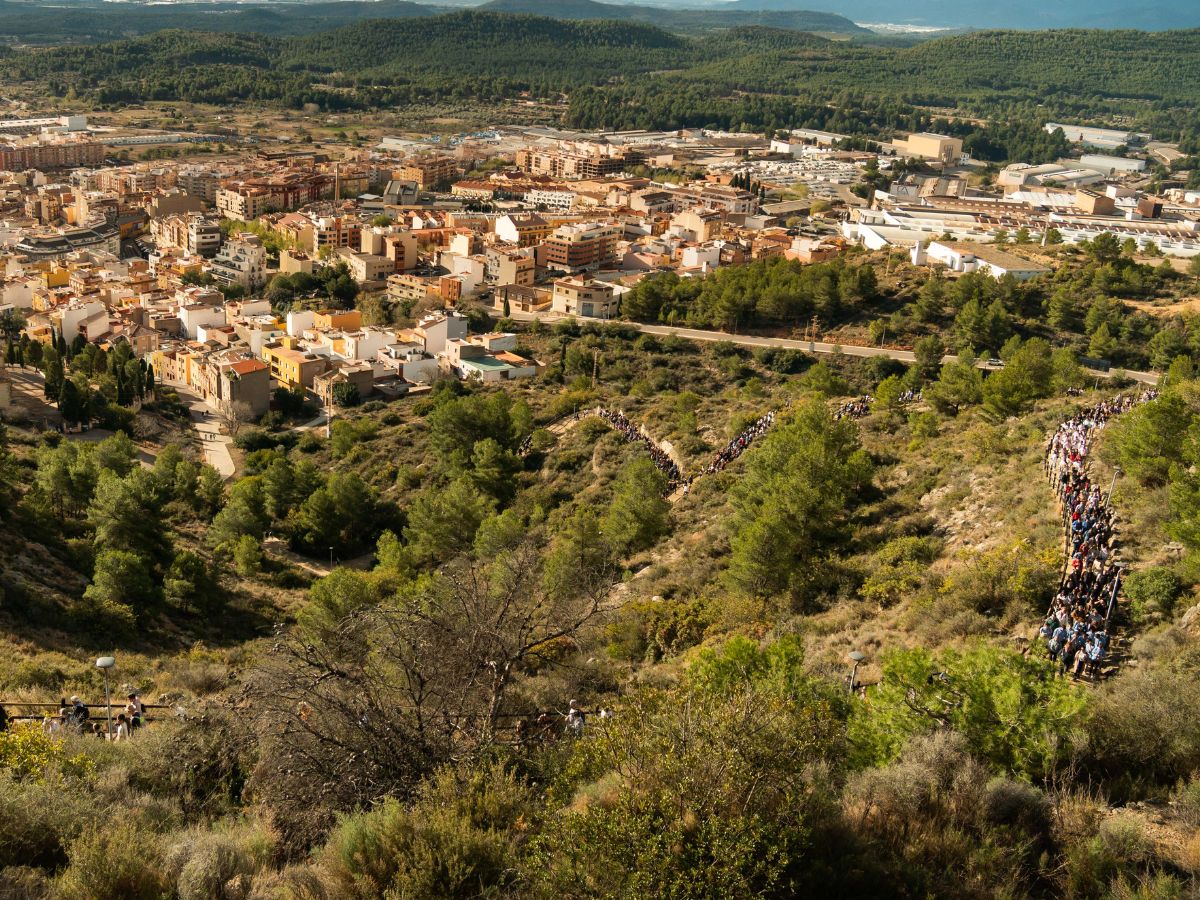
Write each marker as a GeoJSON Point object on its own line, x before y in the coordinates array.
{"type": "Point", "coordinates": [358, 374]}
{"type": "Point", "coordinates": [292, 367]}
{"type": "Point", "coordinates": [966, 256]}
{"type": "Point", "coordinates": [337, 319]}
{"type": "Point", "coordinates": [584, 297]}
{"type": "Point", "coordinates": [523, 231]}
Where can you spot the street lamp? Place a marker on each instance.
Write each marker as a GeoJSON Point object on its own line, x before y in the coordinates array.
{"type": "Point", "coordinates": [330, 559]}
{"type": "Point", "coordinates": [106, 663]}
{"type": "Point", "coordinates": [1113, 486]}
{"type": "Point", "coordinates": [857, 657]}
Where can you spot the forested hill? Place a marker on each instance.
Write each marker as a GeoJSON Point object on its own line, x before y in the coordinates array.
{"type": "Point", "coordinates": [627, 74]}
{"type": "Point", "coordinates": [33, 23]}
{"type": "Point", "coordinates": [509, 52]}
{"type": "Point", "coordinates": [684, 19]}
{"type": "Point", "coordinates": [30, 23]}
{"type": "Point", "coordinates": [1135, 64]}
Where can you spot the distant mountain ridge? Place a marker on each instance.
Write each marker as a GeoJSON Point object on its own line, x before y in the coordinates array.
{"type": "Point", "coordinates": [689, 19]}
{"type": "Point", "coordinates": [1147, 15]}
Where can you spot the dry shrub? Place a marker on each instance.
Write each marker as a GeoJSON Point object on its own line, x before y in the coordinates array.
{"type": "Point", "coordinates": [293, 883]}
{"type": "Point", "coordinates": [1016, 804]}
{"type": "Point", "coordinates": [198, 762]}
{"type": "Point", "coordinates": [200, 672]}
{"type": "Point", "coordinates": [39, 674]}
{"type": "Point", "coordinates": [947, 825]}
{"type": "Point", "coordinates": [23, 883]}
{"type": "Point", "coordinates": [1144, 732]}
{"type": "Point", "coordinates": [38, 821]}
{"type": "Point", "coordinates": [934, 779]}
{"type": "Point", "coordinates": [1187, 802]}
{"type": "Point", "coordinates": [943, 618]}
{"type": "Point", "coordinates": [1157, 886]}
{"type": "Point", "coordinates": [458, 839]}
{"type": "Point", "coordinates": [114, 860]}
{"type": "Point", "coordinates": [1116, 853]}
{"type": "Point", "coordinates": [1189, 854]}
{"type": "Point", "coordinates": [1125, 838]}
{"type": "Point", "coordinates": [218, 865]}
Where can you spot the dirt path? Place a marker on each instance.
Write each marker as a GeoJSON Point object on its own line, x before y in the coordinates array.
{"type": "Point", "coordinates": [1179, 307]}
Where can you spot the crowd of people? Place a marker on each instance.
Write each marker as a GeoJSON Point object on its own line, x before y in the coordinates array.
{"type": "Point", "coordinates": [854, 409]}
{"type": "Point", "coordinates": [74, 717]}
{"type": "Point", "coordinates": [633, 433]}
{"type": "Point", "coordinates": [1076, 626]}
{"type": "Point", "coordinates": [738, 445]}
{"type": "Point", "coordinates": [547, 727]}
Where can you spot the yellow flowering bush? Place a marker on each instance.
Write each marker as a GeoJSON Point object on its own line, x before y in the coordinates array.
{"type": "Point", "coordinates": [29, 753]}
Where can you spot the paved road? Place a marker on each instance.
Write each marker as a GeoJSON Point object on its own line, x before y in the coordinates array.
{"type": "Point", "coordinates": [28, 394]}
{"type": "Point", "coordinates": [207, 428]}
{"type": "Point", "coordinates": [750, 340]}
{"type": "Point", "coordinates": [277, 548]}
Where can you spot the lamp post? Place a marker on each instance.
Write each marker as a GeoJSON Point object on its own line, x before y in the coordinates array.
{"type": "Point", "coordinates": [330, 559]}
{"type": "Point", "coordinates": [1112, 486]}
{"type": "Point", "coordinates": [106, 663]}
{"type": "Point", "coordinates": [857, 658]}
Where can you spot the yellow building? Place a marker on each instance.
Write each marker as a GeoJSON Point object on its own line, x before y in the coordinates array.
{"type": "Point", "coordinates": [292, 368]}
{"type": "Point", "coordinates": [343, 319]}
{"type": "Point", "coordinates": [932, 146]}
{"type": "Point", "coordinates": [56, 276]}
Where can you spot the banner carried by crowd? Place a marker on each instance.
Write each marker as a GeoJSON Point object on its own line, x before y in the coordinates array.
{"type": "Point", "coordinates": [1076, 629]}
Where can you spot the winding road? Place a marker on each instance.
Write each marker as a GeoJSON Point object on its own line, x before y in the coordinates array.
{"type": "Point", "coordinates": [751, 340]}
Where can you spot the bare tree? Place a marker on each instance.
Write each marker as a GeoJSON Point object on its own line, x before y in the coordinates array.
{"type": "Point", "coordinates": [365, 708]}
{"type": "Point", "coordinates": [233, 414]}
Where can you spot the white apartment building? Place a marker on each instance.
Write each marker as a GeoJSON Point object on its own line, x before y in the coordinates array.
{"type": "Point", "coordinates": [243, 260]}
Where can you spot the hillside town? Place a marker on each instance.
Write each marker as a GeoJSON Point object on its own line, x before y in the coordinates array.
{"type": "Point", "coordinates": [241, 274]}
{"type": "Point", "coordinates": [599, 450]}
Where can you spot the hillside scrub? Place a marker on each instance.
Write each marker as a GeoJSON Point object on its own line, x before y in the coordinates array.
{"type": "Point", "coordinates": [543, 677]}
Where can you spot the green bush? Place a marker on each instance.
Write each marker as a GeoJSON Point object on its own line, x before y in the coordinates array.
{"type": "Point", "coordinates": [1152, 591]}
{"type": "Point", "coordinates": [247, 556]}
{"type": "Point", "coordinates": [457, 840]}
{"type": "Point", "coordinates": [1012, 715]}
{"type": "Point", "coordinates": [695, 793]}
{"type": "Point", "coordinates": [32, 673]}
{"type": "Point", "coordinates": [655, 629]}
{"type": "Point", "coordinates": [899, 568]}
